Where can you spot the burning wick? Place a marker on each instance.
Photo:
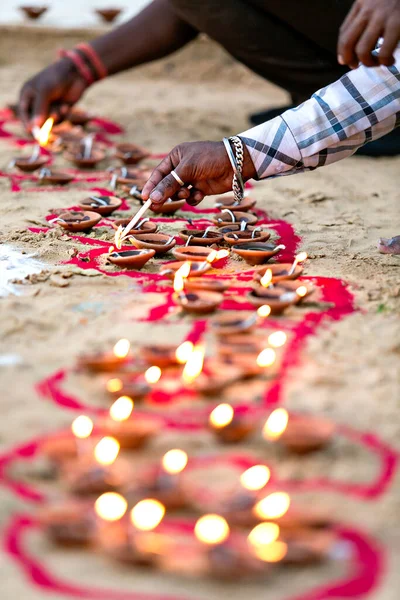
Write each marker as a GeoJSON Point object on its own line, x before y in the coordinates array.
{"type": "Point", "coordinates": [255, 478]}
{"type": "Point", "coordinates": [211, 529]}
{"type": "Point", "coordinates": [42, 135]}
{"type": "Point", "coordinates": [110, 506]}
{"type": "Point", "coordinates": [276, 424]}
{"type": "Point", "coordinates": [266, 279]}
{"type": "Point", "coordinates": [179, 280]}
{"type": "Point", "coordinates": [183, 352]}
{"type": "Point", "coordinates": [266, 358]}
{"type": "Point", "coordinates": [273, 506]}
{"type": "Point", "coordinates": [263, 542]}
{"type": "Point", "coordinates": [147, 514]}
{"type": "Point", "coordinates": [174, 461]}
{"type": "Point", "coordinates": [122, 348]}
{"type": "Point", "coordinates": [106, 451]}
{"type": "Point", "coordinates": [299, 258]}
{"type": "Point", "coordinates": [122, 408]}
{"type": "Point", "coordinates": [82, 428]}
{"type": "Point", "coordinates": [194, 364]}
{"type": "Point", "coordinates": [221, 416]}
{"type": "Point", "coordinates": [153, 374]}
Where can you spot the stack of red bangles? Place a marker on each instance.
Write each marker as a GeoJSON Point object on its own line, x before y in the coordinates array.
{"type": "Point", "coordinates": [87, 62]}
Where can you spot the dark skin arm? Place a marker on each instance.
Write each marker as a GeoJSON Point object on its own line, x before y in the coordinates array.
{"type": "Point", "coordinates": [154, 33]}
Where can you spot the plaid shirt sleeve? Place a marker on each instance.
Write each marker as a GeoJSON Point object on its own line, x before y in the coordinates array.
{"type": "Point", "coordinates": [360, 107]}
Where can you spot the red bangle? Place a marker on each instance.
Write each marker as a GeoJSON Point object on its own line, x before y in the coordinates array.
{"type": "Point", "coordinates": [94, 58]}
{"type": "Point", "coordinates": [79, 63]}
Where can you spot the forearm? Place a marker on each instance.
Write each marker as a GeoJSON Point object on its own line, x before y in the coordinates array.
{"type": "Point", "coordinates": [154, 33]}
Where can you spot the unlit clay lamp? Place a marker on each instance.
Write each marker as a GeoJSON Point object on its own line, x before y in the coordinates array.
{"type": "Point", "coordinates": [86, 157]}
{"type": "Point", "coordinates": [227, 216]}
{"type": "Point", "coordinates": [232, 323]}
{"type": "Point", "coordinates": [131, 259]}
{"type": "Point", "coordinates": [34, 12]}
{"type": "Point", "coordinates": [169, 207]}
{"type": "Point", "coordinates": [257, 253]}
{"type": "Point", "coordinates": [199, 302]}
{"type": "Point", "coordinates": [76, 221]}
{"type": "Point", "coordinates": [280, 272]}
{"type": "Point", "coordinates": [130, 154]}
{"type": "Point", "coordinates": [277, 298]}
{"type": "Point", "coordinates": [192, 253]}
{"type": "Point", "coordinates": [236, 227]}
{"type": "Point", "coordinates": [144, 226]}
{"type": "Point", "coordinates": [48, 177]}
{"type": "Point", "coordinates": [211, 285]}
{"type": "Point", "coordinates": [107, 361]}
{"type": "Point", "coordinates": [240, 237]}
{"type": "Point", "coordinates": [229, 427]}
{"type": "Point", "coordinates": [131, 433]}
{"type": "Point", "coordinates": [28, 164]}
{"type": "Point", "coordinates": [160, 242]}
{"type": "Point", "coordinates": [128, 177]}
{"type": "Point", "coordinates": [200, 237]}
{"type": "Point", "coordinates": [104, 205]}
{"type": "Point", "coordinates": [78, 117]}
{"type": "Point", "coordinates": [108, 14]}
{"type": "Point", "coordinates": [300, 434]}
{"type": "Point", "coordinates": [196, 268]}
{"type": "Point", "coordinates": [69, 524]}
{"type": "Point", "coordinates": [230, 202]}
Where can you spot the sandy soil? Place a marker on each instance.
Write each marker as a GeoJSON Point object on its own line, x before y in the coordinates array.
{"type": "Point", "coordinates": [349, 372]}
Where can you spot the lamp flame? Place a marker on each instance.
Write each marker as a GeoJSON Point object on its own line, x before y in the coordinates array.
{"type": "Point", "coordinates": [82, 427]}
{"type": "Point", "coordinates": [147, 514]}
{"type": "Point", "coordinates": [277, 339]}
{"type": "Point", "coordinates": [118, 237]}
{"type": "Point", "coordinates": [111, 506]}
{"type": "Point", "coordinates": [255, 478]}
{"type": "Point", "coordinates": [266, 278]}
{"type": "Point", "coordinates": [121, 348]}
{"type": "Point", "coordinates": [114, 385]}
{"type": "Point", "coordinates": [271, 553]}
{"type": "Point", "coordinates": [221, 254]}
{"type": "Point", "coordinates": [263, 534]}
{"type": "Point", "coordinates": [181, 274]}
{"type": "Point", "coordinates": [122, 409]}
{"type": "Point", "coordinates": [106, 451]}
{"type": "Point", "coordinates": [174, 461]}
{"type": "Point", "coordinates": [264, 311]}
{"type": "Point", "coordinates": [301, 291]}
{"type": "Point", "coordinates": [221, 416]}
{"type": "Point", "coordinates": [183, 352]}
{"type": "Point", "coordinates": [276, 424]}
{"type": "Point", "coordinates": [211, 529]}
{"type": "Point", "coordinates": [273, 506]}
{"type": "Point", "coordinates": [266, 358]}
{"type": "Point", "coordinates": [212, 256]}
{"type": "Point", "coordinates": [153, 374]}
{"type": "Point", "coordinates": [194, 364]}
{"type": "Point", "coordinates": [44, 132]}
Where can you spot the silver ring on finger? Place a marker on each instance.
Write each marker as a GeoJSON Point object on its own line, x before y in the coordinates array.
{"type": "Point", "coordinates": [177, 178]}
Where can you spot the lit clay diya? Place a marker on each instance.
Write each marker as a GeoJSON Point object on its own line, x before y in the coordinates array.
{"type": "Point", "coordinates": [160, 355]}
{"type": "Point", "coordinates": [77, 116]}
{"type": "Point", "coordinates": [69, 524]}
{"type": "Point", "coordinates": [132, 433]}
{"type": "Point", "coordinates": [108, 14]}
{"type": "Point", "coordinates": [229, 427]}
{"type": "Point", "coordinates": [200, 237]}
{"type": "Point", "coordinates": [104, 205]}
{"type": "Point", "coordinates": [135, 390]}
{"type": "Point", "coordinates": [118, 541]}
{"type": "Point", "coordinates": [280, 272]}
{"type": "Point", "coordinates": [87, 477]}
{"type": "Point", "coordinates": [199, 302]}
{"type": "Point", "coordinates": [48, 177]}
{"type": "Point", "coordinates": [217, 377]}
{"type": "Point", "coordinates": [277, 298]}
{"type": "Point", "coordinates": [299, 434]}
{"type": "Point", "coordinates": [103, 362]}
{"type": "Point", "coordinates": [192, 253]}
{"type": "Point", "coordinates": [230, 202]}
{"type": "Point", "coordinates": [256, 253]}
{"type": "Point", "coordinates": [130, 154]}
{"type": "Point", "coordinates": [25, 164]}
{"type": "Point", "coordinates": [144, 226]}
{"type": "Point", "coordinates": [196, 268]}
{"type": "Point", "coordinates": [164, 487]}
{"type": "Point", "coordinates": [76, 221]}
{"type": "Point", "coordinates": [211, 285]}
{"type": "Point", "coordinates": [130, 259]}
{"type": "Point", "coordinates": [236, 238]}
{"type": "Point", "coordinates": [302, 288]}
{"type": "Point", "coordinates": [34, 12]}
{"type": "Point", "coordinates": [168, 208]}
{"type": "Point", "coordinates": [160, 242]}
{"type": "Point", "coordinates": [228, 324]}
{"type": "Point", "coordinates": [90, 162]}
{"type": "Point", "coordinates": [227, 216]}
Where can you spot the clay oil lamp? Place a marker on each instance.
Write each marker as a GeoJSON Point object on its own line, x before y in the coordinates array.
{"type": "Point", "coordinates": [251, 360]}
{"type": "Point", "coordinates": [301, 288]}
{"type": "Point", "coordinates": [31, 163]}
{"type": "Point", "coordinates": [256, 253]}
{"type": "Point", "coordinates": [228, 427]}
{"type": "Point", "coordinates": [227, 216]}
{"type": "Point", "coordinates": [200, 237]}
{"type": "Point", "coordinates": [62, 449]}
{"type": "Point", "coordinates": [104, 205]}
{"type": "Point", "coordinates": [161, 355]}
{"type": "Point", "coordinates": [69, 524]}
{"type": "Point", "coordinates": [77, 116]}
{"type": "Point", "coordinates": [276, 297]}
{"type": "Point", "coordinates": [235, 238]}
{"type": "Point", "coordinates": [237, 227]}
{"type": "Point", "coordinates": [216, 378]}
{"type": "Point", "coordinates": [229, 202]}
{"type": "Point", "coordinates": [211, 285]}
{"type": "Point", "coordinates": [86, 157]}
{"type": "Point", "coordinates": [283, 271]}
{"type": "Point", "coordinates": [299, 434]}
{"type": "Point", "coordinates": [108, 361]}
{"type": "Point", "coordinates": [193, 253]}
{"type": "Point", "coordinates": [144, 226]}
{"type": "Point", "coordinates": [130, 259]}
{"type": "Point", "coordinates": [130, 433]}
{"type": "Point", "coordinates": [306, 547]}
{"type": "Point", "coordinates": [160, 242]}
{"type": "Point", "coordinates": [130, 154]}
{"type": "Point", "coordinates": [108, 15]}
{"type": "Point", "coordinates": [223, 561]}
{"type": "Point", "coordinates": [128, 177]}
{"type": "Point", "coordinates": [228, 324]}
{"type": "Point", "coordinates": [76, 221]}
{"type": "Point", "coordinates": [134, 388]}
{"type": "Point", "coordinates": [169, 207]}
{"type": "Point", "coordinates": [198, 302]}
{"type": "Point", "coordinates": [49, 177]}
{"type": "Point", "coordinates": [280, 508]}
{"type": "Point", "coordinates": [238, 508]}
{"type": "Point", "coordinates": [196, 268]}
{"type": "Point", "coordinates": [34, 12]}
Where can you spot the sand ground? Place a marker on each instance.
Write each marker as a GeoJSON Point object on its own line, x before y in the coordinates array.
{"type": "Point", "coordinates": [350, 371]}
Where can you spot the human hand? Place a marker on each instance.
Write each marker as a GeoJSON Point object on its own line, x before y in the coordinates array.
{"type": "Point", "coordinates": [204, 165]}
{"type": "Point", "coordinates": [58, 87]}
{"type": "Point", "coordinates": [367, 21]}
